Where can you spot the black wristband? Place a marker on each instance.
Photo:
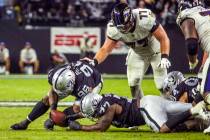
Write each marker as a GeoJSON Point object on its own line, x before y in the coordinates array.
{"type": "Point", "coordinates": [95, 62]}
{"type": "Point", "coordinates": [53, 106]}
{"type": "Point", "coordinates": [164, 56]}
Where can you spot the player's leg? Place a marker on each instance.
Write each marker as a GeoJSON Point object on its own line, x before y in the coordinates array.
{"type": "Point", "coordinates": [179, 112]}
{"type": "Point", "coordinates": [136, 67]}
{"type": "Point", "coordinates": [7, 65]}
{"type": "Point", "coordinates": [159, 73]}
{"type": "Point", "coordinates": [39, 109]}
{"type": "Point", "coordinates": [21, 65]}
{"type": "Point", "coordinates": [152, 109]}
{"type": "Point", "coordinates": [36, 66]}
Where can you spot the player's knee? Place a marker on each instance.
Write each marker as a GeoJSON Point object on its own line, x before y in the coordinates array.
{"type": "Point", "coordinates": [45, 100]}
{"type": "Point", "coordinates": [192, 45]}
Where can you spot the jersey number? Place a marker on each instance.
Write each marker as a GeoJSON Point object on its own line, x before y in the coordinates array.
{"type": "Point", "coordinates": [143, 14]}
{"type": "Point", "coordinates": [86, 70]}
{"type": "Point", "coordinates": [104, 107]}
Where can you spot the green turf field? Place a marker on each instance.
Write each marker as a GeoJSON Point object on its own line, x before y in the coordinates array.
{"type": "Point", "coordinates": [34, 89]}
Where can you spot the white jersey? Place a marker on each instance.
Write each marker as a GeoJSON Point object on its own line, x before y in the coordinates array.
{"type": "Point", "coordinates": [4, 54]}
{"type": "Point", "coordinates": [202, 24]}
{"type": "Point", "coordinates": [28, 55]}
{"type": "Point", "coordinates": [141, 39]}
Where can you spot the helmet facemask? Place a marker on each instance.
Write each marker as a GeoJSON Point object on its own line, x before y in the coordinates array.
{"type": "Point", "coordinates": [171, 82]}
{"type": "Point", "coordinates": [89, 105]}
{"type": "Point", "coordinates": [123, 19]}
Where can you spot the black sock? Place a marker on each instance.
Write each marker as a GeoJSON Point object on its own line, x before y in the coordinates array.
{"type": "Point", "coordinates": [177, 119]}
{"type": "Point", "coordinates": [39, 109]}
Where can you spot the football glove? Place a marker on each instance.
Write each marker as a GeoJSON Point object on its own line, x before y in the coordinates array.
{"type": "Point", "coordinates": [193, 65]}
{"type": "Point", "coordinates": [93, 62]}
{"type": "Point", "coordinates": [74, 125]}
{"type": "Point", "coordinates": [164, 62]}
{"type": "Point", "coordinates": [49, 124]}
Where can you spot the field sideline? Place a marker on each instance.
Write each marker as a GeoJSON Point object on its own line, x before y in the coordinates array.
{"type": "Point", "coordinates": [15, 89]}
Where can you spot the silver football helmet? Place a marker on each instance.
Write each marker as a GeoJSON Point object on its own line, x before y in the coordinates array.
{"type": "Point", "coordinates": [89, 104]}
{"type": "Point", "coordinates": [173, 79]}
{"type": "Point", "coordinates": [63, 82]}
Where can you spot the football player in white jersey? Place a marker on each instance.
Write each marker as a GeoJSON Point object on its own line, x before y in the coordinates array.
{"type": "Point", "coordinates": [148, 42]}
{"type": "Point", "coordinates": [194, 21]}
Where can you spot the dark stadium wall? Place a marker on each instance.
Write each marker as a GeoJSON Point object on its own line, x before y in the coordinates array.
{"type": "Point", "coordinates": [15, 37]}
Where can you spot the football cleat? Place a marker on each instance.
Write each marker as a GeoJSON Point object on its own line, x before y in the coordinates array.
{"type": "Point", "coordinates": [19, 126]}
{"type": "Point", "coordinates": [207, 130]}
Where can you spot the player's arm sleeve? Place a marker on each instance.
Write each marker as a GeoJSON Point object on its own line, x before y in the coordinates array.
{"type": "Point", "coordinates": [111, 32]}
{"type": "Point", "coordinates": [149, 21]}
{"type": "Point", "coordinates": [103, 123]}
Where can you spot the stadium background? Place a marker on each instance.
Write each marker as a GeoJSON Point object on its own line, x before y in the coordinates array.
{"type": "Point", "coordinates": [33, 20]}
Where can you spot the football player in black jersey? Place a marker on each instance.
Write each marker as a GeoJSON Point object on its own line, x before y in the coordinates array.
{"type": "Point", "coordinates": [178, 88]}
{"type": "Point", "coordinates": [122, 112]}
{"type": "Point", "coordinates": [77, 79]}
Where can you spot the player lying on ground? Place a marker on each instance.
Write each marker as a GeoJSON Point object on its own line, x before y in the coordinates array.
{"type": "Point", "coordinates": [194, 21]}
{"type": "Point", "coordinates": [77, 79]}
{"type": "Point", "coordinates": [111, 109]}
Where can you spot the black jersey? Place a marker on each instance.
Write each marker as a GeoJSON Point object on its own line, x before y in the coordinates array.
{"type": "Point", "coordinates": [86, 77]}
{"type": "Point", "coordinates": [130, 115]}
{"type": "Point", "coordinates": [189, 85]}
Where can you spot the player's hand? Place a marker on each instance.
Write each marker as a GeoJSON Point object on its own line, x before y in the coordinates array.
{"type": "Point", "coordinates": [92, 62]}
{"type": "Point", "coordinates": [164, 62]}
{"type": "Point", "coordinates": [193, 65]}
{"type": "Point", "coordinates": [48, 124]}
{"type": "Point", "coordinates": [74, 125]}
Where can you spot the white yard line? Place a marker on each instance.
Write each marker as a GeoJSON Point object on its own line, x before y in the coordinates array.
{"type": "Point", "coordinates": [29, 104]}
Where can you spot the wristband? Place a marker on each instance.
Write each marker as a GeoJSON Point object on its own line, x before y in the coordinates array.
{"type": "Point", "coordinates": [95, 61]}
{"type": "Point", "coordinates": [164, 56]}
{"type": "Point", "coordinates": [53, 106]}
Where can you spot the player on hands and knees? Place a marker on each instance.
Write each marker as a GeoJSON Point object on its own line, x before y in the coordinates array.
{"type": "Point", "coordinates": [77, 79]}
{"type": "Point", "coordinates": [148, 42]}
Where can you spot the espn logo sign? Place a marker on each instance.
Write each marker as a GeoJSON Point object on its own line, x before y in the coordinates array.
{"type": "Point", "coordinates": [72, 40]}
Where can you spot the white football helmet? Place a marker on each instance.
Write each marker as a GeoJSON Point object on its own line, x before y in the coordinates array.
{"type": "Point", "coordinates": [63, 82]}
{"type": "Point", "coordinates": [89, 104]}
{"type": "Point", "coordinates": [173, 79]}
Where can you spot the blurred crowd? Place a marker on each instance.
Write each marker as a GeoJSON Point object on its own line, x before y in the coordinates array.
{"type": "Point", "coordinates": [78, 12]}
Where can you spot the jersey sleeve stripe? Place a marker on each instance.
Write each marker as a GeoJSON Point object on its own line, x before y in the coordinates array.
{"type": "Point", "coordinates": [112, 38]}
{"type": "Point", "coordinates": [155, 26]}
